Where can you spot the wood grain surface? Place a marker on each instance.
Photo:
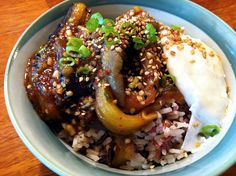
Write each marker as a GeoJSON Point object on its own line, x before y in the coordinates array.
{"type": "Point", "coordinates": [15, 16]}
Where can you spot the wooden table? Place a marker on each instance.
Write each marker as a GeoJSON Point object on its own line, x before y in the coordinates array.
{"type": "Point", "coordinates": [15, 16]}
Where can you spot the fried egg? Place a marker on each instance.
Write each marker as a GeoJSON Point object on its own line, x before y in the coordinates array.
{"type": "Point", "coordinates": [200, 78]}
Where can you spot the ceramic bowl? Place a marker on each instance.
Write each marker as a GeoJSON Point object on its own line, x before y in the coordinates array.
{"type": "Point", "coordinates": [197, 21]}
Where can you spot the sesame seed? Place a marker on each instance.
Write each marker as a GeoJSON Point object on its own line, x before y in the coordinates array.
{"type": "Point", "coordinates": [87, 79]}
{"type": "Point", "coordinates": [152, 167]}
{"type": "Point", "coordinates": [211, 54]}
{"type": "Point", "coordinates": [155, 74]}
{"type": "Point", "coordinates": [127, 92]}
{"type": "Point", "coordinates": [94, 69]}
{"type": "Point", "coordinates": [63, 84]}
{"type": "Point", "coordinates": [141, 93]}
{"type": "Point", "coordinates": [139, 98]}
{"type": "Point", "coordinates": [149, 55]}
{"type": "Point", "coordinates": [81, 79]}
{"type": "Point", "coordinates": [54, 83]}
{"type": "Point", "coordinates": [58, 86]}
{"type": "Point", "coordinates": [56, 74]}
{"type": "Point", "coordinates": [127, 140]}
{"type": "Point", "coordinates": [142, 102]}
{"type": "Point", "coordinates": [153, 67]}
{"type": "Point", "coordinates": [99, 84]}
{"type": "Point", "coordinates": [98, 56]}
{"type": "Point", "coordinates": [106, 84]}
{"type": "Point", "coordinates": [172, 53]}
{"type": "Point", "coordinates": [49, 61]}
{"type": "Point", "coordinates": [29, 86]}
{"type": "Point", "coordinates": [192, 51]}
{"type": "Point", "coordinates": [77, 113]}
{"type": "Point", "coordinates": [143, 59]}
{"type": "Point", "coordinates": [167, 47]}
{"type": "Point", "coordinates": [196, 124]}
{"type": "Point", "coordinates": [146, 73]}
{"type": "Point", "coordinates": [180, 47]}
{"type": "Point", "coordinates": [204, 54]}
{"type": "Point", "coordinates": [83, 113]}
{"type": "Point", "coordinates": [68, 33]}
{"type": "Point", "coordinates": [131, 13]}
{"type": "Point", "coordinates": [114, 101]}
{"type": "Point", "coordinates": [150, 61]}
{"type": "Point", "coordinates": [60, 90]}
{"type": "Point", "coordinates": [192, 61]}
{"type": "Point", "coordinates": [69, 93]}
{"type": "Point", "coordinates": [112, 47]}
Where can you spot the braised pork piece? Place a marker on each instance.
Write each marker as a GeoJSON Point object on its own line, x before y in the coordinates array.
{"type": "Point", "coordinates": [56, 91]}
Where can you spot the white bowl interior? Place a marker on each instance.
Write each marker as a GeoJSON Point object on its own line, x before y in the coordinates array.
{"type": "Point", "coordinates": [43, 141]}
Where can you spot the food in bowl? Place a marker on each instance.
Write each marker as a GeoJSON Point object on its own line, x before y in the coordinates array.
{"type": "Point", "coordinates": [131, 93]}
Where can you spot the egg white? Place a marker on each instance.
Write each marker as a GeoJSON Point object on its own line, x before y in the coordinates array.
{"type": "Point", "coordinates": [201, 80]}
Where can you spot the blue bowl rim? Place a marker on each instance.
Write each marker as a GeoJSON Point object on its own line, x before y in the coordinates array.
{"type": "Point", "coordinates": [23, 39]}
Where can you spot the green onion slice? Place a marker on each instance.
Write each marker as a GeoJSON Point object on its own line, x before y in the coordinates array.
{"type": "Point", "coordinates": [151, 33]}
{"type": "Point", "coordinates": [92, 24]}
{"type": "Point", "coordinates": [73, 41]}
{"type": "Point", "coordinates": [111, 38]}
{"type": "Point", "coordinates": [128, 29]}
{"type": "Point", "coordinates": [84, 51]}
{"type": "Point", "coordinates": [107, 29]}
{"type": "Point", "coordinates": [151, 30]}
{"type": "Point", "coordinates": [83, 71]}
{"type": "Point", "coordinates": [66, 61]}
{"type": "Point", "coordinates": [168, 81]}
{"type": "Point", "coordinates": [175, 27]}
{"type": "Point", "coordinates": [108, 22]}
{"type": "Point", "coordinates": [210, 130]}
{"type": "Point", "coordinates": [97, 16]}
{"type": "Point", "coordinates": [72, 51]}
{"type": "Point", "coordinates": [138, 43]}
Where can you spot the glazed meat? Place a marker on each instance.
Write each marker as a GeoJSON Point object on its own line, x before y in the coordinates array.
{"type": "Point", "coordinates": [56, 91]}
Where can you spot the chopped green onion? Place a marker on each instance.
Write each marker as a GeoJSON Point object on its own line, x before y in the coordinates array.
{"type": "Point", "coordinates": [84, 51]}
{"type": "Point", "coordinates": [153, 38]}
{"type": "Point", "coordinates": [210, 130]}
{"type": "Point", "coordinates": [151, 33]}
{"type": "Point", "coordinates": [92, 24]}
{"type": "Point", "coordinates": [128, 29]}
{"type": "Point", "coordinates": [66, 62]}
{"type": "Point", "coordinates": [151, 30]}
{"type": "Point", "coordinates": [111, 38]}
{"type": "Point", "coordinates": [73, 41]}
{"type": "Point", "coordinates": [97, 16]}
{"type": "Point", "coordinates": [165, 81]}
{"type": "Point", "coordinates": [72, 50]}
{"type": "Point", "coordinates": [83, 71]}
{"type": "Point", "coordinates": [107, 29]}
{"type": "Point", "coordinates": [175, 27]}
{"type": "Point", "coordinates": [138, 43]}
{"type": "Point", "coordinates": [108, 22]}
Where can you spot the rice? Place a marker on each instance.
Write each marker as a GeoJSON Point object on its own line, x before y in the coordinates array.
{"type": "Point", "coordinates": [160, 139]}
